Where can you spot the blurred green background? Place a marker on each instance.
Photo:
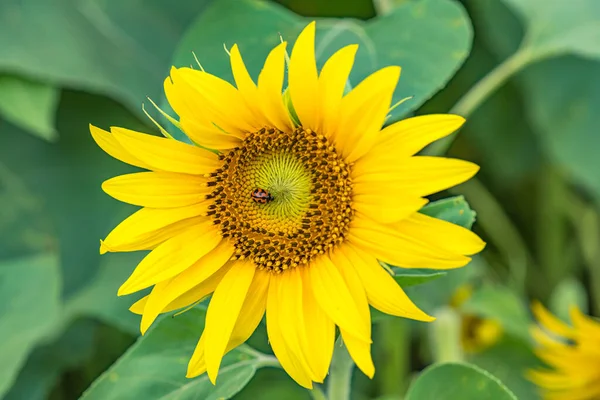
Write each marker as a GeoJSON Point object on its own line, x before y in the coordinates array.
{"type": "Point", "coordinates": [534, 129]}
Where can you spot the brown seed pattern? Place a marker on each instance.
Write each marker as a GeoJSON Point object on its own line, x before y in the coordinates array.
{"type": "Point", "coordinates": [312, 198]}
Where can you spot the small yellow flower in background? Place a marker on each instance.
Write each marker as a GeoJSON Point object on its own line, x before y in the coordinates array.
{"type": "Point", "coordinates": [477, 333]}
{"type": "Point", "coordinates": [288, 220]}
{"type": "Point", "coordinates": [572, 354]}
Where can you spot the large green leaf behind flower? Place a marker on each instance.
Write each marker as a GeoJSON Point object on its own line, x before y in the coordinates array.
{"type": "Point", "coordinates": [561, 93]}
{"type": "Point", "coordinates": [429, 39]}
{"type": "Point", "coordinates": [117, 48]}
{"type": "Point", "coordinates": [29, 309]}
{"type": "Point", "coordinates": [155, 367]}
{"type": "Point", "coordinates": [457, 381]}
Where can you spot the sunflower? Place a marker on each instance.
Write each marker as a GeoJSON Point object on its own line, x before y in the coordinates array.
{"type": "Point", "coordinates": [571, 352]}
{"type": "Point", "coordinates": [289, 213]}
{"type": "Point", "coordinates": [477, 333]}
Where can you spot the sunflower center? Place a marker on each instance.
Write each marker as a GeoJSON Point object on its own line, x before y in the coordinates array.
{"type": "Point", "coordinates": [282, 198]}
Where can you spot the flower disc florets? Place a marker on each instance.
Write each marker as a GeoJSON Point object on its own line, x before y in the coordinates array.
{"type": "Point", "coordinates": [309, 206]}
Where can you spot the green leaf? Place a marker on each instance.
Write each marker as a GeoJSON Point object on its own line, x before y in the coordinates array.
{"type": "Point", "coordinates": [503, 305]}
{"type": "Point", "coordinates": [457, 381]}
{"type": "Point", "coordinates": [46, 363]}
{"type": "Point", "coordinates": [562, 96]}
{"type": "Point", "coordinates": [362, 9]}
{"type": "Point", "coordinates": [29, 105]}
{"type": "Point", "coordinates": [155, 366]}
{"type": "Point", "coordinates": [429, 39]}
{"type": "Point", "coordinates": [568, 293]}
{"type": "Point", "coordinates": [29, 310]}
{"type": "Point", "coordinates": [559, 27]}
{"type": "Point", "coordinates": [407, 278]}
{"type": "Point", "coordinates": [508, 361]}
{"type": "Point", "coordinates": [452, 209]}
{"type": "Point", "coordinates": [99, 298]}
{"type": "Point", "coordinates": [121, 49]}
{"type": "Point", "coordinates": [272, 384]}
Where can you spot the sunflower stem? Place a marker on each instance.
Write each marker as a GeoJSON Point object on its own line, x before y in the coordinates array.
{"type": "Point", "coordinates": [317, 394]}
{"type": "Point", "coordinates": [480, 92]}
{"type": "Point", "coordinates": [394, 335]}
{"type": "Point", "coordinates": [445, 336]}
{"type": "Point", "coordinates": [340, 373]}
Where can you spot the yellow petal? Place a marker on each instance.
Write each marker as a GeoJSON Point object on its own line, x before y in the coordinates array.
{"type": "Point", "coordinates": [587, 327]}
{"type": "Point", "coordinates": [303, 80]}
{"type": "Point", "coordinates": [320, 330]}
{"type": "Point", "coordinates": [419, 175]}
{"type": "Point", "coordinates": [363, 112]}
{"type": "Point", "coordinates": [289, 287]}
{"type": "Point", "coordinates": [223, 311]}
{"type": "Point", "coordinates": [386, 208]}
{"type": "Point", "coordinates": [172, 257]}
{"type": "Point", "coordinates": [138, 306]}
{"type": "Point", "coordinates": [407, 137]}
{"type": "Point", "coordinates": [550, 322]}
{"type": "Point", "coordinates": [250, 316]}
{"type": "Point", "coordinates": [360, 351]}
{"type": "Point", "coordinates": [335, 298]}
{"type": "Point", "coordinates": [209, 136]}
{"type": "Point", "coordinates": [400, 248]}
{"type": "Point", "coordinates": [294, 364]}
{"type": "Point", "coordinates": [332, 82]}
{"type": "Point", "coordinates": [441, 234]}
{"type": "Point", "coordinates": [148, 227]}
{"type": "Point", "coordinates": [204, 268]}
{"type": "Point", "coordinates": [382, 291]}
{"type": "Point", "coordinates": [270, 85]}
{"type": "Point", "coordinates": [192, 296]}
{"type": "Point", "coordinates": [243, 81]}
{"type": "Point", "coordinates": [112, 147]}
{"type": "Point", "coordinates": [166, 154]}
{"type": "Point", "coordinates": [221, 103]}
{"type": "Point", "coordinates": [354, 285]}
{"type": "Point", "coordinates": [157, 189]}
{"type": "Point", "coordinates": [185, 101]}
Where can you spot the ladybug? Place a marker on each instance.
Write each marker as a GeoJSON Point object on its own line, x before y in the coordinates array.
{"type": "Point", "coordinates": [261, 196]}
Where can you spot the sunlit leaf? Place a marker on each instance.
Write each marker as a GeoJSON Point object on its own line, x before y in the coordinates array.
{"type": "Point", "coordinates": [457, 381]}
{"type": "Point", "coordinates": [155, 366]}
{"type": "Point", "coordinates": [429, 39]}
{"type": "Point", "coordinates": [121, 49]}
{"type": "Point", "coordinates": [508, 361]}
{"type": "Point", "coordinates": [29, 310]}
{"type": "Point", "coordinates": [560, 27]}
{"type": "Point", "coordinates": [29, 105]}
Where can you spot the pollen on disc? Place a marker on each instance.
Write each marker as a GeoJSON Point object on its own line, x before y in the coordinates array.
{"type": "Point", "coordinates": [282, 198]}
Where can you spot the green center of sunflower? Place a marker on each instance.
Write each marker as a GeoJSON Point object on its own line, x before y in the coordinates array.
{"type": "Point", "coordinates": [282, 198]}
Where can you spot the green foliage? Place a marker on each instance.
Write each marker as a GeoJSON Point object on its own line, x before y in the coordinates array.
{"type": "Point", "coordinates": [118, 49]}
{"type": "Point", "coordinates": [30, 105]}
{"type": "Point", "coordinates": [508, 361]}
{"type": "Point", "coordinates": [430, 39]}
{"type": "Point", "coordinates": [155, 367]}
{"type": "Point", "coordinates": [558, 27]}
{"type": "Point", "coordinates": [26, 319]}
{"type": "Point", "coordinates": [458, 381]}
{"type": "Point", "coordinates": [532, 126]}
